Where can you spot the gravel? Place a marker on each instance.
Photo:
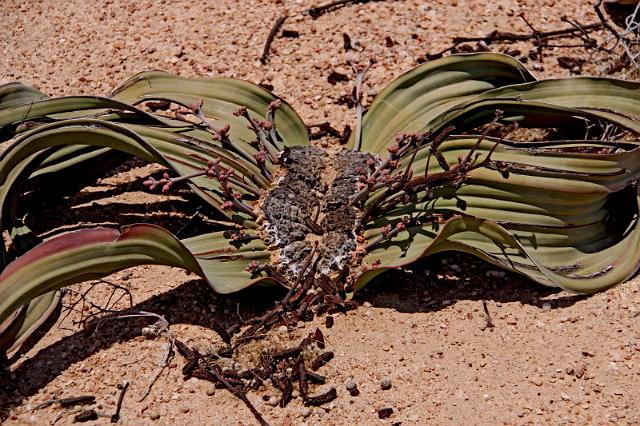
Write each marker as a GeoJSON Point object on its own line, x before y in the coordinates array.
{"type": "Point", "coordinates": [89, 47]}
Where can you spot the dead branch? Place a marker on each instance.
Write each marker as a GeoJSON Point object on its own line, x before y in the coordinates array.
{"type": "Point", "coordinates": [160, 327]}
{"type": "Point", "coordinates": [628, 38]}
{"type": "Point", "coordinates": [488, 322]}
{"type": "Point", "coordinates": [507, 36]}
{"type": "Point", "coordinates": [123, 390]}
{"type": "Point", "coordinates": [605, 22]}
{"type": "Point", "coordinates": [539, 38]}
{"type": "Point", "coordinates": [215, 373]}
{"type": "Point", "coordinates": [264, 58]}
{"type": "Point", "coordinates": [316, 11]}
{"type": "Point", "coordinates": [164, 363]}
{"type": "Point", "coordinates": [357, 99]}
{"type": "Point", "coordinates": [99, 310]}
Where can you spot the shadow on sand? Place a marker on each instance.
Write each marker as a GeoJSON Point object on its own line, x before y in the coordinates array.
{"type": "Point", "coordinates": [422, 288]}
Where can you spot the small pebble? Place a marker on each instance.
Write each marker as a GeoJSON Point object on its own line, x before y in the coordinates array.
{"type": "Point", "coordinates": [495, 274]}
{"type": "Point", "coordinates": [352, 387]}
{"type": "Point", "coordinates": [546, 306]}
{"type": "Point", "coordinates": [283, 329]}
{"type": "Point", "coordinates": [536, 381]}
{"type": "Point", "coordinates": [385, 413]}
{"type": "Point", "coordinates": [366, 304]}
{"type": "Point", "coordinates": [273, 401]}
{"type": "Point", "coordinates": [154, 415]}
{"type": "Point", "coordinates": [385, 384]}
{"type": "Point", "coordinates": [211, 390]}
{"type": "Point", "coordinates": [306, 412]}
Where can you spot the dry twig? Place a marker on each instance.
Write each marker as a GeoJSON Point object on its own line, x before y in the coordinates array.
{"type": "Point", "coordinates": [316, 11]}
{"type": "Point", "coordinates": [357, 99]}
{"type": "Point", "coordinates": [123, 390]}
{"type": "Point", "coordinates": [628, 38]}
{"type": "Point", "coordinates": [264, 58]}
{"type": "Point", "coordinates": [488, 322]}
{"type": "Point", "coordinates": [540, 38]}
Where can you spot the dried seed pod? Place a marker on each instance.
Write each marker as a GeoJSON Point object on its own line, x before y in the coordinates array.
{"type": "Point", "coordinates": [328, 321]}
{"type": "Point", "coordinates": [318, 337]}
{"type": "Point", "coordinates": [78, 400]}
{"type": "Point", "coordinates": [321, 360]}
{"type": "Point", "coordinates": [302, 378]}
{"type": "Point", "coordinates": [321, 399]}
{"type": "Point", "coordinates": [86, 416]}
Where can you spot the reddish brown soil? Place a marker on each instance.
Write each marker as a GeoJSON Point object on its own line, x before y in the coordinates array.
{"type": "Point", "coordinates": [551, 358]}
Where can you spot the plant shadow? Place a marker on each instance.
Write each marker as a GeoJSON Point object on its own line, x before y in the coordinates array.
{"type": "Point", "coordinates": [428, 286]}
{"type": "Point", "coordinates": [442, 279]}
{"type": "Point", "coordinates": [184, 214]}
{"type": "Point", "coordinates": [190, 303]}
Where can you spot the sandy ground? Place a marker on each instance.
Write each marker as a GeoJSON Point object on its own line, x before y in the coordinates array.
{"type": "Point", "coordinates": [551, 357]}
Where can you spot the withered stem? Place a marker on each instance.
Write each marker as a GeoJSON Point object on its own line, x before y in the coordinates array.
{"type": "Point", "coordinates": [271, 118]}
{"type": "Point", "coordinates": [382, 238]}
{"type": "Point", "coordinates": [224, 138]}
{"type": "Point", "coordinates": [358, 101]}
{"type": "Point", "coordinates": [262, 138]}
{"type": "Point", "coordinates": [264, 58]}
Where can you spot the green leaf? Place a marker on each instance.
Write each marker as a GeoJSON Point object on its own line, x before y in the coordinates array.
{"type": "Point", "coordinates": [415, 98]}
{"type": "Point", "coordinates": [221, 97]}
{"type": "Point", "coordinates": [15, 94]}
{"type": "Point", "coordinates": [27, 320]}
{"type": "Point", "coordinates": [181, 154]}
{"type": "Point", "coordinates": [67, 108]}
{"type": "Point", "coordinates": [94, 253]}
{"type": "Point", "coordinates": [572, 104]}
{"type": "Point", "coordinates": [577, 269]}
{"type": "Point", "coordinates": [561, 217]}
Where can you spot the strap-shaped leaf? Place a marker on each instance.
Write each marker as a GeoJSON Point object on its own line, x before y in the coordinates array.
{"type": "Point", "coordinates": [466, 90]}
{"type": "Point", "coordinates": [424, 93]}
{"type": "Point", "coordinates": [93, 253]}
{"type": "Point", "coordinates": [67, 108]}
{"type": "Point", "coordinates": [580, 271]}
{"type": "Point", "coordinates": [184, 156]}
{"type": "Point", "coordinates": [15, 94]}
{"type": "Point", "coordinates": [27, 320]}
{"type": "Point", "coordinates": [560, 217]}
{"type": "Point", "coordinates": [565, 103]}
{"type": "Point", "coordinates": [221, 97]}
